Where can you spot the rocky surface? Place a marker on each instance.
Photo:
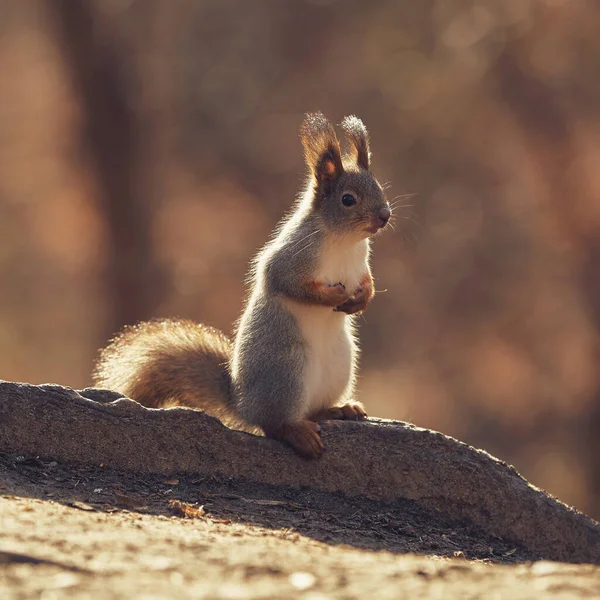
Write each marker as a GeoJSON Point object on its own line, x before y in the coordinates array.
{"type": "Point", "coordinates": [382, 461]}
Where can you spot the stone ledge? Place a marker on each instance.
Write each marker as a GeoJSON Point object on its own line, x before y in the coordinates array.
{"type": "Point", "coordinates": [379, 459]}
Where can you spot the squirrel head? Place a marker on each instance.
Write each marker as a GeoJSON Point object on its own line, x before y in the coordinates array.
{"type": "Point", "coordinates": [342, 190]}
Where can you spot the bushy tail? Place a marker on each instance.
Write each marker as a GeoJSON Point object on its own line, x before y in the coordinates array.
{"type": "Point", "coordinates": [170, 362]}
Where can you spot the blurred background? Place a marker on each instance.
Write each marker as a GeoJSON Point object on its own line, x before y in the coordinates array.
{"type": "Point", "coordinates": [148, 147]}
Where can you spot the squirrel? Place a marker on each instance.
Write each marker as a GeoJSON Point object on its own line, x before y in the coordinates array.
{"type": "Point", "coordinates": [293, 360]}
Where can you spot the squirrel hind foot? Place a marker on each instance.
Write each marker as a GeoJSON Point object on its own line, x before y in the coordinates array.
{"type": "Point", "coordinates": [353, 411]}
{"type": "Point", "coordinates": [302, 436]}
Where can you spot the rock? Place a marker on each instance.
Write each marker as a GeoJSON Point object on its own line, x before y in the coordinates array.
{"type": "Point", "coordinates": [379, 459]}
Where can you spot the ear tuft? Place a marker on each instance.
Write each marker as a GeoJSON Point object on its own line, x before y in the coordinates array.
{"type": "Point", "coordinates": [358, 136]}
{"type": "Point", "coordinates": [321, 148]}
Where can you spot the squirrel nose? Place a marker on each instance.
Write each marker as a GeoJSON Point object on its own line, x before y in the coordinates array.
{"type": "Point", "coordinates": [384, 216]}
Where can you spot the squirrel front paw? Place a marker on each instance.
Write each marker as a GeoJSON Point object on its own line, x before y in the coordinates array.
{"type": "Point", "coordinates": [360, 298]}
{"type": "Point", "coordinates": [356, 303]}
{"type": "Point", "coordinates": [337, 294]}
{"type": "Point", "coordinates": [324, 294]}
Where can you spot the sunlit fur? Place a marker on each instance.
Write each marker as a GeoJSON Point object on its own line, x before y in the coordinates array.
{"type": "Point", "coordinates": [309, 350]}
{"type": "Point", "coordinates": [312, 350]}
{"type": "Point", "coordinates": [170, 362]}
{"type": "Point", "coordinates": [357, 135]}
{"type": "Point", "coordinates": [291, 356]}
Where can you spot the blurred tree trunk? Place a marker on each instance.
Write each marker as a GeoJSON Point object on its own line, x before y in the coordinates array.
{"type": "Point", "coordinates": [111, 136]}
{"type": "Point", "coordinates": [546, 130]}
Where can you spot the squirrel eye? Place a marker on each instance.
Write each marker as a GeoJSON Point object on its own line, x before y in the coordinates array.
{"type": "Point", "coordinates": [348, 200]}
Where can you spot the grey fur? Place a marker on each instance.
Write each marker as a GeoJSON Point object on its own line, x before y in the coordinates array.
{"type": "Point", "coordinates": [270, 359]}
{"type": "Point", "coordinates": [269, 351]}
{"type": "Point", "coordinates": [260, 379]}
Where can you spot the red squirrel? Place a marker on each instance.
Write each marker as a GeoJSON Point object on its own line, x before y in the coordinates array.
{"type": "Point", "coordinates": [293, 359]}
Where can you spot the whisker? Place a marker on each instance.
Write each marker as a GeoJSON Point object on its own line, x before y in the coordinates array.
{"type": "Point", "coordinates": [303, 249]}
{"type": "Point", "coordinates": [305, 238]}
{"type": "Point", "coordinates": [403, 196]}
{"type": "Point", "coordinates": [410, 216]}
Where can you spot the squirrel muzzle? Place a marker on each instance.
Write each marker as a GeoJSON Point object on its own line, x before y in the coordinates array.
{"type": "Point", "coordinates": [380, 220]}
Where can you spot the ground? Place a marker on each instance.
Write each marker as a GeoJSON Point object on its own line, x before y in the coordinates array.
{"type": "Point", "coordinates": [98, 533]}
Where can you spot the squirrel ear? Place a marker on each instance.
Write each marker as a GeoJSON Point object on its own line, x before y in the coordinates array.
{"type": "Point", "coordinates": [321, 150]}
{"type": "Point", "coordinates": [357, 135]}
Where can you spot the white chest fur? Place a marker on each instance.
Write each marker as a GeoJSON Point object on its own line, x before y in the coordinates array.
{"type": "Point", "coordinates": [343, 262]}
{"type": "Point", "coordinates": [329, 336]}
